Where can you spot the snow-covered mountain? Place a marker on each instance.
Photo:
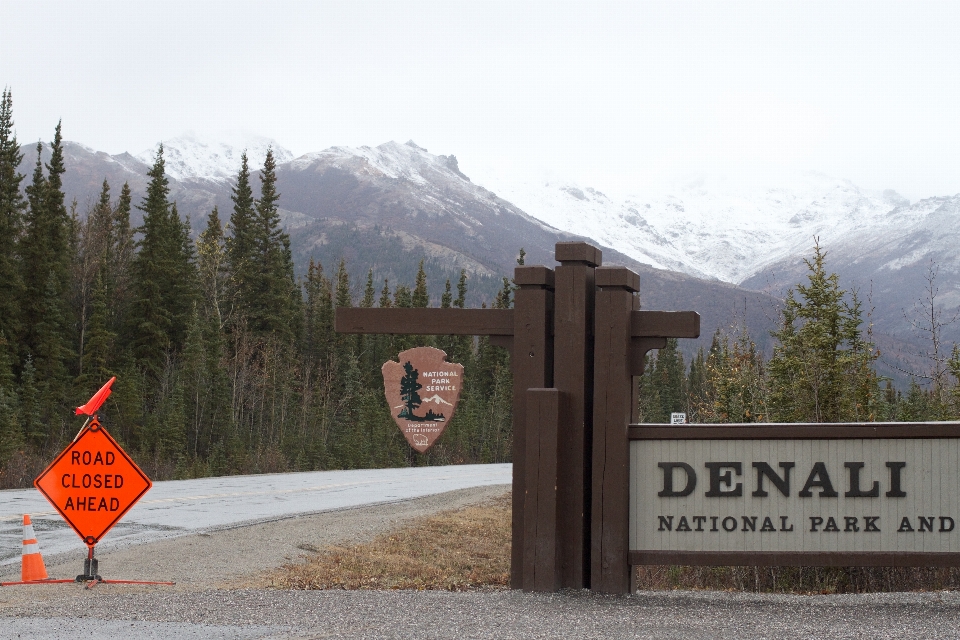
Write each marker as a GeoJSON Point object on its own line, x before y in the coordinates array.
{"type": "Point", "coordinates": [880, 244]}
{"type": "Point", "coordinates": [385, 209]}
{"type": "Point", "coordinates": [194, 157]}
{"type": "Point", "coordinates": [716, 230]}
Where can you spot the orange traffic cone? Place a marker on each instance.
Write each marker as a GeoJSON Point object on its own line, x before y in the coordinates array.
{"type": "Point", "coordinates": [32, 562]}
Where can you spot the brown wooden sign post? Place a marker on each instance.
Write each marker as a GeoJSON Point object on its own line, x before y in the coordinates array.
{"type": "Point", "coordinates": [576, 339]}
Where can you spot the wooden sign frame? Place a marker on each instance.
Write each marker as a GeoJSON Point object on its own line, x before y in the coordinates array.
{"type": "Point", "coordinates": [573, 397]}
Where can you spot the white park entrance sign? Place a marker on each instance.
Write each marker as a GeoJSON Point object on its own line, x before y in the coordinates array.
{"type": "Point", "coordinates": [698, 499]}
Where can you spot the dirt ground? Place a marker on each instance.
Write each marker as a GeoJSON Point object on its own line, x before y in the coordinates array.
{"type": "Point", "coordinates": [239, 557]}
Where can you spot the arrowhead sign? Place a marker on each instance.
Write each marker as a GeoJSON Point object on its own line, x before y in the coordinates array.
{"type": "Point", "coordinates": [93, 483]}
{"type": "Point", "coordinates": [422, 390]}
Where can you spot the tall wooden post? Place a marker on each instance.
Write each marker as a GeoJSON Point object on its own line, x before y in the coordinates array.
{"type": "Point", "coordinates": [612, 412]}
{"type": "Point", "coordinates": [544, 407]}
{"type": "Point", "coordinates": [531, 359]}
{"type": "Point", "coordinates": [573, 377]}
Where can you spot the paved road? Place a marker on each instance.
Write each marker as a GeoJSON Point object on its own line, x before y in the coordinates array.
{"type": "Point", "coordinates": [176, 508]}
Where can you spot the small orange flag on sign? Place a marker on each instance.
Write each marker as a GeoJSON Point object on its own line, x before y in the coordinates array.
{"type": "Point", "coordinates": [97, 400]}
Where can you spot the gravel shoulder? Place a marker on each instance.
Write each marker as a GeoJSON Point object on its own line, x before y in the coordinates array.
{"type": "Point", "coordinates": [220, 593]}
{"type": "Point", "coordinates": [259, 613]}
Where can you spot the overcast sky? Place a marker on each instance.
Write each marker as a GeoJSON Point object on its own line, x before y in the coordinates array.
{"type": "Point", "coordinates": [609, 94]}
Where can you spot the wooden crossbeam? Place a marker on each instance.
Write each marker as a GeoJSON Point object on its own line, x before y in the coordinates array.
{"type": "Point", "coordinates": [457, 322]}
{"type": "Point", "coordinates": [665, 324]}
{"type": "Point", "coordinates": [494, 322]}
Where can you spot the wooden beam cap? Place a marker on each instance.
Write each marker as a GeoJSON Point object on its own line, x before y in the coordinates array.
{"type": "Point", "coordinates": [618, 277]}
{"type": "Point", "coordinates": [533, 276]}
{"type": "Point", "coordinates": [578, 252]}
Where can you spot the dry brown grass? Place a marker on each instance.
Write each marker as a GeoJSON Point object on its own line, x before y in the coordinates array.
{"type": "Point", "coordinates": [464, 549]}
{"type": "Point", "coordinates": [469, 549]}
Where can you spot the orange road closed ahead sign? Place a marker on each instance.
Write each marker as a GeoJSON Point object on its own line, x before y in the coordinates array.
{"type": "Point", "coordinates": [93, 483]}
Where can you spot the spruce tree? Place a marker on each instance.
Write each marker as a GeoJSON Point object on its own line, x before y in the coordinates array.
{"type": "Point", "coordinates": [94, 251]}
{"type": "Point", "coordinates": [821, 370]}
{"type": "Point", "coordinates": [240, 245]}
{"type": "Point", "coordinates": [30, 405]}
{"type": "Point", "coordinates": [270, 295]}
{"type": "Point", "coordinates": [46, 258]}
{"type": "Point", "coordinates": [461, 290]}
{"type": "Point", "coordinates": [212, 265]}
{"type": "Point", "coordinates": [447, 344]}
{"type": "Point", "coordinates": [95, 368]}
{"type": "Point", "coordinates": [117, 280]}
{"type": "Point", "coordinates": [368, 292]}
{"type": "Point", "coordinates": [11, 429]}
{"type": "Point", "coordinates": [667, 378]}
{"type": "Point", "coordinates": [55, 171]}
{"type": "Point", "coordinates": [385, 302]}
{"type": "Point", "coordinates": [12, 209]}
{"type": "Point", "coordinates": [50, 350]}
{"type": "Point", "coordinates": [462, 346]}
{"type": "Point", "coordinates": [504, 296]}
{"type": "Point", "coordinates": [446, 300]}
{"type": "Point", "coordinates": [318, 334]}
{"type": "Point", "coordinates": [345, 345]}
{"type": "Point", "coordinates": [735, 388]}
{"type": "Point", "coordinates": [101, 221]}
{"type": "Point", "coordinates": [186, 285]}
{"type": "Point", "coordinates": [421, 299]}
{"type": "Point", "coordinates": [697, 387]}
{"type": "Point", "coordinates": [342, 277]}
{"type": "Point", "coordinates": [164, 276]}
{"type": "Point", "coordinates": [151, 321]}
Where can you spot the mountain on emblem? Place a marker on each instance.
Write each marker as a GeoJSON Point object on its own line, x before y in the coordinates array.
{"type": "Point", "coordinates": [437, 400]}
{"type": "Point", "coordinates": [422, 369]}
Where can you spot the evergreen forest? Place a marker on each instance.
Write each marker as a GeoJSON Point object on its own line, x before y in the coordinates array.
{"type": "Point", "coordinates": [225, 362]}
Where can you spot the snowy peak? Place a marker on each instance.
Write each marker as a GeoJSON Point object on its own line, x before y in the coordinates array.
{"type": "Point", "coordinates": [190, 157]}
{"type": "Point", "coordinates": [391, 160]}
{"type": "Point", "coordinates": [714, 228]}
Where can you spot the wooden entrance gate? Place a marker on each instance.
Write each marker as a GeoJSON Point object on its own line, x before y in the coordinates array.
{"type": "Point", "coordinates": [577, 339]}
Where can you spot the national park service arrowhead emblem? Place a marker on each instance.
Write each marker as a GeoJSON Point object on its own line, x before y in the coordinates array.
{"type": "Point", "coordinates": [422, 391]}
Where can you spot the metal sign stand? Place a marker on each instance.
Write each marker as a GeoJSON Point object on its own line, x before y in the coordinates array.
{"type": "Point", "coordinates": [92, 578]}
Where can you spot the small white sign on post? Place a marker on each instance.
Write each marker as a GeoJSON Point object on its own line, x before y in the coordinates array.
{"type": "Point", "coordinates": [678, 418]}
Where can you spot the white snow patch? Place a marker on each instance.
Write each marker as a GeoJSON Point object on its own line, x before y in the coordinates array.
{"type": "Point", "coordinates": [194, 157]}
{"type": "Point", "coordinates": [712, 228]}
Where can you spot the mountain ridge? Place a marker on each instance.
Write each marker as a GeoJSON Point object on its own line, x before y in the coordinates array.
{"type": "Point", "coordinates": [389, 206]}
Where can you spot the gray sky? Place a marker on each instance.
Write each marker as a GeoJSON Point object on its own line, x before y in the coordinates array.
{"type": "Point", "coordinates": [616, 95]}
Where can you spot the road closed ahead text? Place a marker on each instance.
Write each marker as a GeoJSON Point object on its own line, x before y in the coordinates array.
{"type": "Point", "coordinates": [93, 483]}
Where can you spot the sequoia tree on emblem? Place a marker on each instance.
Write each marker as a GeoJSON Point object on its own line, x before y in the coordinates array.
{"type": "Point", "coordinates": [422, 391]}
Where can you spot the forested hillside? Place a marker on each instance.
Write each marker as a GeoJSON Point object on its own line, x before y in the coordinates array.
{"type": "Point", "coordinates": [823, 366]}
{"type": "Point", "coordinates": [225, 362]}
